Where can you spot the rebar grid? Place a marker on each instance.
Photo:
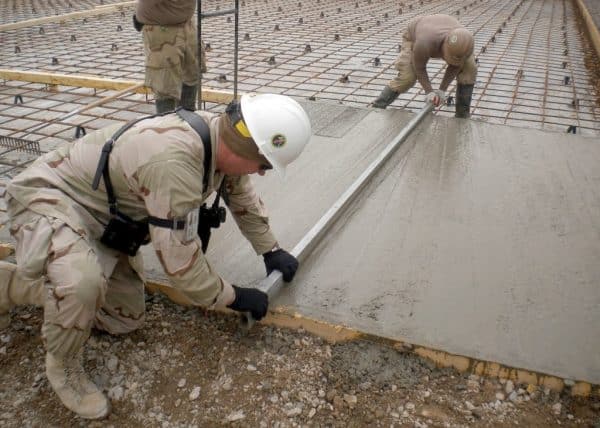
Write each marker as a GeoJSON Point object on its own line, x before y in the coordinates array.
{"type": "Point", "coordinates": [339, 51]}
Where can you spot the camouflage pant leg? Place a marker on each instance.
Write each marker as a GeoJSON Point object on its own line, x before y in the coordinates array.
{"type": "Point", "coordinates": [171, 58]}
{"type": "Point", "coordinates": [124, 306]}
{"type": "Point", "coordinates": [468, 73]}
{"type": "Point", "coordinates": [406, 77]}
{"type": "Point", "coordinates": [77, 279]}
{"type": "Point", "coordinates": [190, 57]}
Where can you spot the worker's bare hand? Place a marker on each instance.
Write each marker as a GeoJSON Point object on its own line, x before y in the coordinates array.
{"type": "Point", "coordinates": [436, 97]}
{"type": "Point", "coordinates": [282, 261]}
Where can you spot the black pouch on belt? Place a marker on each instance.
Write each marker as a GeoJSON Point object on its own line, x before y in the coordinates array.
{"type": "Point", "coordinates": [125, 235]}
{"type": "Point", "coordinates": [137, 24]}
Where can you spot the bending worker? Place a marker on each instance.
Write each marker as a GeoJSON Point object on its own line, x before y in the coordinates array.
{"type": "Point", "coordinates": [171, 48]}
{"type": "Point", "coordinates": [76, 247]}
{"type": "Point", "coordinates": [434, 36]}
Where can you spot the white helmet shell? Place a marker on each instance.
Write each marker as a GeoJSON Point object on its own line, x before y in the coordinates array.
{"type": "Point", "coordinates": [278, 125]}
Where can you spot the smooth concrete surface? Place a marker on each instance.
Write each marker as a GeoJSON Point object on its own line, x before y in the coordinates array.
{"type": "Point", "coordinates": [476, 239]}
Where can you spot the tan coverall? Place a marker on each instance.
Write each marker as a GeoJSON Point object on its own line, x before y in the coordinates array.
{"type": "Point", "coordinates": [421, 41]}
{"type": "Point", "coordinates": [156, 168]}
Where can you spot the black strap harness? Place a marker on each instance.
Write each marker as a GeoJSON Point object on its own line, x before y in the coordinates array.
{"type": "Point", "coordinates": [201, 128]}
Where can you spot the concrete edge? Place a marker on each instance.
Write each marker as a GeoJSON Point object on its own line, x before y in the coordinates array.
{"type": "Point", "coordinates": [284, 317]}
{"type": "Point", "coordinates": [591, 28]}
{"type": "Point", "coordinates": [281, 317]}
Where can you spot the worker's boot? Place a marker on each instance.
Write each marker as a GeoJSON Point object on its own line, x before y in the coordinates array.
{"type": "Point", "coordinates": [15, 290]}
{"type": "Point", "coordinates": [463, 101]}
{"type": "Point", "coordinates": [387, 96]}
{"type": "Point", "coordinates": [66, 375]}
{"type": "Point", "coordinates": [165, 104]}
{"type": "Point", "coordinates": [188, 97]}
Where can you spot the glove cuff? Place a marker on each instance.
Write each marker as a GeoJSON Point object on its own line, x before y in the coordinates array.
{"type": "Point", "coordinates": [275, 248]}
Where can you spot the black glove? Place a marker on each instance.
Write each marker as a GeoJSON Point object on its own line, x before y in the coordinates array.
{"type": "Point", "coordinates": [250, 300]}
{"type": "Point", "coordinates": [282, 261]}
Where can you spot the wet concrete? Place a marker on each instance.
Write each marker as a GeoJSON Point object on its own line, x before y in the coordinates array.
{"type": "Point", "coordinates": [481, 240]}
{"type": "Point", "coordinates": [477, 239]}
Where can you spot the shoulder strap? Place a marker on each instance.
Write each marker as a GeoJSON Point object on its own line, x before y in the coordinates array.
{"type": "Point", "coordinates": [202, 129]}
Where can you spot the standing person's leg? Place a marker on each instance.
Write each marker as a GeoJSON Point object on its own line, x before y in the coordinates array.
{"type": "Point", "coordinates": [76, 291]}
{"type": "Point", "coordinates": [405, 79]}
{"type": "Point", "coordinates": [465, 81]}
{"type": "Point", "coordinates": [164, 49]}
{"type": "Point", "coordinates": [189, 88]}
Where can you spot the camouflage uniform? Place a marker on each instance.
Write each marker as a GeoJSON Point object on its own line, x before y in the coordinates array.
{"type": "Point", "coordinates": [172, 58]}
{"type": "Point", "coordinates": [171, 48]}
{"type": "Point", "coordinates": [156, 168]}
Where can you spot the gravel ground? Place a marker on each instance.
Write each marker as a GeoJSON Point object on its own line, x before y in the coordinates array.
{"type": "Point", "coordinates": [191, 368]}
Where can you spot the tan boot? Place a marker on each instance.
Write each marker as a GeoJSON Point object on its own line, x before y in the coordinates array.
{"type": "Point", "coordinates": [74, 388]}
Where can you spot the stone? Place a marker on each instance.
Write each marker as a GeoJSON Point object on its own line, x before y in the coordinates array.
{"type": "Point", "coordinates": [350, 399]}
{"type": "Point", "coordinates": [116, 393]}
{"type": "Point", "coordinates": [181, 383]}
{"type": "Point", "coordinates": [338, 401]}
{"type": "Point", "coordinates": [473, 385]}
{"type": "Point", "coordinates": [556, 408]}
{"type": "Point", "coordinates": [293, 412]}
{"type": "Point", "coordinates": [509, 387]}
{"type": "Point", "coordinates": [112, 364]}
{"type": "Point", "coordinates": [195, 393]}
{"type": "Point", "coordinates": [478, 413]}
{"type": "Point", "coordinates": [235, 416]}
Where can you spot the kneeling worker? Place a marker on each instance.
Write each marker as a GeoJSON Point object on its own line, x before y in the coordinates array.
{"type": "Point", "coordinates": [77, 248]}
{"type": "Point", "coordinates": [434, 36]}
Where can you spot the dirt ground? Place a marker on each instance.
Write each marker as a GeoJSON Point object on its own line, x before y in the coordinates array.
{"type": "Point", "coordinates": [189, 368]}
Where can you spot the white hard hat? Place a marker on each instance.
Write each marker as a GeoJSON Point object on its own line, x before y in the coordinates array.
{"type": "Point", "coordinates": [278, 125]}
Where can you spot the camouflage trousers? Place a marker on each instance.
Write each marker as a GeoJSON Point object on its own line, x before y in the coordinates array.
{"type": "Point", "coordinates": [407, 77]}
{"type": "Point", "coordinates": [85, 284]}
{"type": "Point", "coordinates": [172, 58]}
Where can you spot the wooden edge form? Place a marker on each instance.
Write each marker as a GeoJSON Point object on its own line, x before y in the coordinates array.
{"type": "Point", "coordinates": [591, 27]}
{"type": "Point", "coordinates": [98, 10]}
{"type": "Point", "coordinates": [96, 82]}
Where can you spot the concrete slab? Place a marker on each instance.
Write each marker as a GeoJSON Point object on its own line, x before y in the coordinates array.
{"type": "Point", "coordinates": [480, 240]}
